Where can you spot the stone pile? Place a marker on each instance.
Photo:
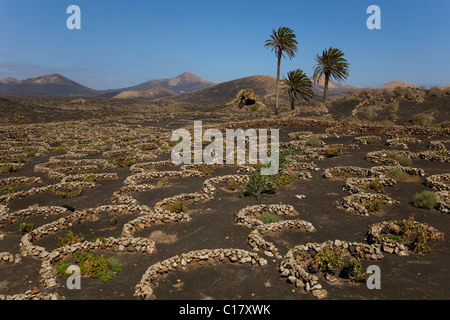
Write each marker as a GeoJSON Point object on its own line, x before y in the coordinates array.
{"type": "Point", "coordinates": [144, 289]}
{"type": "Point", "coordinates": [376, 233]}
{"type": "Point", "coordinates": [366, 139]}
{"type": "Point", "coordinates": [259, 244]}
{"type": "Point", "coordinates": [294, 263]}
{"type": "Point", "coordinates": [439, 144]}
{"type": "Point", "coordinates": [96, 176]}
{"type": "Point", "coordinates": [19, 180]}
{"type": "Point", "coordinates": [358, 202]}
{"type": "Point", "coordinates": [13, 217]}
{"type": "Point", "coordinates": [439, 182]}
{"type": "Point", "coordinates": [356, 185]}
{"type": "Point", "coordinates": [443, 204]}
{"type": "Point", "coordinates": [409, 170]}
{"type": "Point", "coordinates": [248, 216]}
{"type": "Point", "coordinates": [34, 294]}
{"type": "Point", "coordinates": [402, 142]}
{"type": "Point", "coordinates": [6, 257]}
{"type": "Point", "coordinates": [341, 172]}
{"type": "Point", "coordinates": [57, 186]}
{"type": "Point", "coordinates": [429, 155]}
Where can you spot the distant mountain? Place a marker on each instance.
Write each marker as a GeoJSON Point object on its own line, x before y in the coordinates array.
{"type": "Point", "coordinates": [49, 85]}
{"type": "Point", "coordinates": [185, 82]}
{"type": "Point", "coordinates": [152, 93]}
{"type": "Point", "coordinates": [394, 84]}
{"type": "Point", "coordinates": [224, 92]}
{"type": "Point", "coordinates": [8, 80]}
{"type": "Point", "coordinates": [334, 89]}
{"type": "Point", "coordinates": [263, 86]}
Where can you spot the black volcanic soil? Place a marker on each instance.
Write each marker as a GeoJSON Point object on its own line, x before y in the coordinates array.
{"type": "Point", "coordinates": [417, 276]}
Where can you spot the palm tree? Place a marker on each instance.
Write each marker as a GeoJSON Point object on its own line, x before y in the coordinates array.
{"type": "Point", "coordinates": [331, 64]}
{"type": "Point", "coordinates": [298, 83]}
{"type": "Point", "coordinates": [281, 41]}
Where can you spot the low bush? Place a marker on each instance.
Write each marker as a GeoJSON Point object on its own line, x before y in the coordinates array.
{"type": "Point", "coordinates": [374, 185]}
{"type": "Point", "coordinates": [97, 267]}
{"type": "Point", "coordinates": [313, 141]}
{"type": "Point", "coordinates": [10, 189]}
{"type": "Point", "coordinates": [373, 205]}
{"type": "Point", "coordinates": [123, 161]}
{"type": "Point", "coordinates": [68, 194]}
{"type": "Point", "coordinates": [425, 199]}
{"type": "Point", "coordinates": [398, 174]}
{"type": "Point", "coordinates": [422, 119]}
{"type": "Point", "coordinates": [26, 227]}
{"type": "Point", "coordinates": [176, 206]}
{"type": "Point", "coordinates": [4, 284]}
{"type": "Point", "coordinates": [328, 260]}
{"type": "Point", "coordinates": [260, 184]}
{"type": "Point", "coordinates": [354, 270]}
{"type": "Point", "coordinates": [402, 160]}
{"type": "Point", "coordinates": [69, 239]}
{"type": "Point", "coordinates": [8, 169]}
{"type": "Point", "coordinates": [268, 184]}
{"type": "Point", "coordinates": [415, 236]}
{"type": "Point", "coordinates": [332, 151]}
{"type": "Point", "coordinates": [267, 217]}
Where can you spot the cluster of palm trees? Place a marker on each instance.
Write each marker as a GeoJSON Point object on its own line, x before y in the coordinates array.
{"type": "Point", "coordinates": [330, 64]}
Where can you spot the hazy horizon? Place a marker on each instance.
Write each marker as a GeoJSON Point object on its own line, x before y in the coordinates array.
{"type": "Point", "coordinates": [122, 44]}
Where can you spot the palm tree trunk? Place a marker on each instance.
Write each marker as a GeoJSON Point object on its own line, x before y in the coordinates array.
{"type": "Point", "coordinates": [292, 98]}
{"type": "Point", "coordinates": [276, 84]}
{"type": "Point", "coordinates": [325, 89]}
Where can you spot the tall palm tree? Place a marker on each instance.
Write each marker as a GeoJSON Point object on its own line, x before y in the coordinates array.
{"type": "Point", "coordinates": [298, 83]}
{"type": "Point", "coordinates": [331, 64]}
{"type": "Point", "coordinates": [281, 41]}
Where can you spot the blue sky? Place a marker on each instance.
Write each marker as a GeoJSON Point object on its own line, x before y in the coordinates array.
{"type": "Point", "coordinates": [123, 43]}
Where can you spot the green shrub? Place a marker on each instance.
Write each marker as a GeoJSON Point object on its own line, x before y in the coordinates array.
{"type": "Point", "coordinates": [176, 206]}
{"type": "Point", "coordinates": [328, 259]}
{"type": "Point", "coordinates": [123, 161]}
{"type": "Point", "coordinates": [422, 119]}
{"type": "Point", "coordinates": [267, 217]}
{"type": "Point", "coordinates": [8, 169]}
{"type": "Point", "coordinates": [102, 239]}
{"type": "Point", "coordinates": [284, 179]}
{"type": "Point", "coordinates": [398, 174]}
{"type": "Point", "coordinates": [68, 194]}
{"type": "Point", "coordinates": [10, 189]}
{"type": "Point", "coordinates": [260, 184]}
{"type": "Point", "coordinates": [373, 206]}
{"type": "Point", "coordinates": [61, 268]}
{"type": "Point", "coordinates": [332, 151]}
{"type": "Point", "coordinates": [402, 160]}
{"type": "Point", "coordinates": [374, 185]}
{"type": "Point", "coordinates": [354, 270]}
{"type": "Point", "coordinates": [268, 184]}
{"type": "Point", "coordinates": [88, 179]}
{"type": "Point", "coordinates": [284, 158]}
{"type": "Point", "coordinates": [313, 141]}
{"type": "Point", "coordinates": [425, 199]}
{"type": "Point", "coordinates": [96, 267]}
{"type": "Point", "coordinates": [4, 284]}
{"type": "Point", "coordinates": [69, 239]}
{"type": "Point", "coordinates": [26, 227]}
{"type": "Point", "coordinates": [413, 235]}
